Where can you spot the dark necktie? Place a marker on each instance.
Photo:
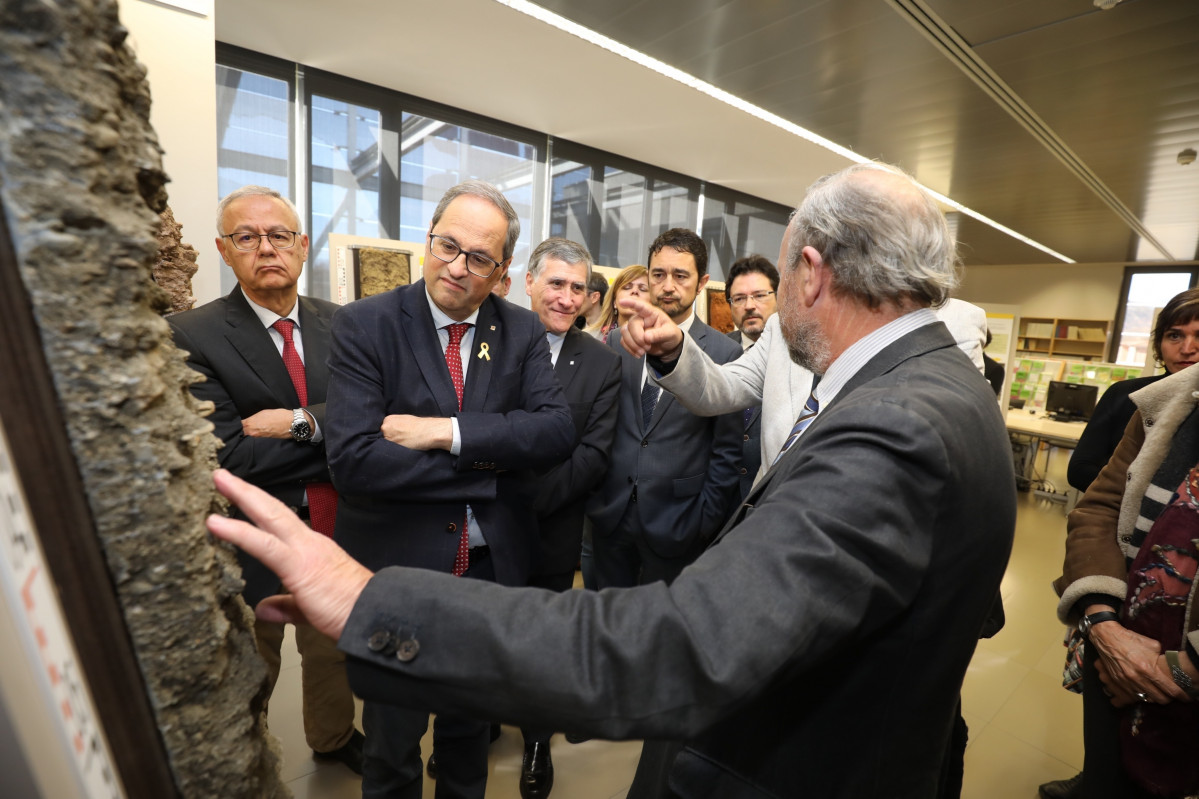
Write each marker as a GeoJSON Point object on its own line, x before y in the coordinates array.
{"type": "Point", "coordinates": [453, 360]}
{"type": "Point", "coordinates": [322, 497]}
{"type": "Point", "coordinates": [649, 399]}
{"type": "Point", "coordinates": [810, 409]}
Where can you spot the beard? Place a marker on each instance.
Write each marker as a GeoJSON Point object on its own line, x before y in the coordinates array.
{"type": "Point", "coordinates": [806, 343]}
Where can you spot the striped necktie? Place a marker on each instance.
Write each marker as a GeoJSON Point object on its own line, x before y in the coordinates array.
{"type": "Point", "coordinates": [810, 409]}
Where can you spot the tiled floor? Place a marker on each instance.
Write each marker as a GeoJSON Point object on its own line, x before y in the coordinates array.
{"type": "Point", "coordinates": [1024, 729]}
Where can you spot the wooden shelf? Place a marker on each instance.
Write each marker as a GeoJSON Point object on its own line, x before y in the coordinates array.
{"type": "Point", "coordinates": [1064, 338]}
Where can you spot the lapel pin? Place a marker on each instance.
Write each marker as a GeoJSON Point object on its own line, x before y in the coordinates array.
{"type": "Point", "coordinates": [572, 363]}
{"type": "Point", "coordinates": [493, 327]}
{"type": "Point", "coordinates": [484, 350]}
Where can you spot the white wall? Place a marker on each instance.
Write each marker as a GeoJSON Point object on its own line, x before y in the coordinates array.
{"type": "Point", "coordinates": [178, 49]}
{"type": "Point", "coordinates": [1077, 291]}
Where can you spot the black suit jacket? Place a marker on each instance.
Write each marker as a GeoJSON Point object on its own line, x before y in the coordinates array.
{"type": "Point", "coordinates": [817, 649]}
{"type": "Point", "coordinates": [682, 468]}
{"type": "Point", "coordinates": [751, 437]}
{"type": "Point", "coordinates": [590, 376]}
{"type": "Point", "coordinates": [244, 372]}
{"type": "Point", "coordinates": [1104, 431]}
{"type": "Point", "coordinates": [400, 506]}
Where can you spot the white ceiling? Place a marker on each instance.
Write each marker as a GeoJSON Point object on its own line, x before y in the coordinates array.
{"type": "Point", "coordinates": [856, 71]}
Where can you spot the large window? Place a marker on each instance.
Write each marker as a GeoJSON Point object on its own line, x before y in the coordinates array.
{"type": "Point", "coordinates": [374, 162]}
{"type": "Point", "coordinates": [254, 133]}
{"type": "Point", "coordinates": [1145, 293]}
{"type": "Point", "coordinates": [344, 178]}
{"type": "Point", "coordinates": [614, 206]}
{"type": "Point", "coordinates": [736, 225]}
{"type": "Point", "coordinates": [437, 155]}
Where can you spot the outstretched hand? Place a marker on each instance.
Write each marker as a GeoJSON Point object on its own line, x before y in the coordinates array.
{"type": "Point", "coordinates": [650, 331]}
{"type": "Point", "coordinates": [324, 582]}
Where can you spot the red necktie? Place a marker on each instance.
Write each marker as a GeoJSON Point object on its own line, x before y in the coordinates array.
{"type": "Point", "coordinates": [322, 497]}
{"type": "Point", "coordinates": [453, 360]}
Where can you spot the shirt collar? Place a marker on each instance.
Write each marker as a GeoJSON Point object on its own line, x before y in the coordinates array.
{"type": "Point", "coordinates": [269, 317]}
{"type": "Point", "coordinates": [441, 319]}
{"type": "Point", "coordinates": [858, 354]}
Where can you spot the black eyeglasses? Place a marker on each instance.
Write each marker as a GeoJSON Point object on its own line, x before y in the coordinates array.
{"type": "Point", "coordinates": [758, 297]}
{"type": "Point", "coordinates": [476, 263]}
{"type": "Point", "coordinates": [279, 239]}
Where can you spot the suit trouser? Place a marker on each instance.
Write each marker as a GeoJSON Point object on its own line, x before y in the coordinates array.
{"type": "Point", "coordinates": [624, 559]}
{"type": "Point", "coordinates": [392, 767]}
{"type": "Point", "coordinates": [328, 703]}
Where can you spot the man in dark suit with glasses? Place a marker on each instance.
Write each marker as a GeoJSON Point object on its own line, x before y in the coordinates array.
{"type": "Point", "coordinates": [441, 399]}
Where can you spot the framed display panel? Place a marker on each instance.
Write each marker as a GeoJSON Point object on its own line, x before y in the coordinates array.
{"type": "Point", "coordinates": [720, 315]}
{"type": "Point", "coordinates": [363, 267]}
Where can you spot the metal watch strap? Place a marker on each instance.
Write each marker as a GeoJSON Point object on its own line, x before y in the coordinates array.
{"type": "Point", "coordinates": [1181, 678]}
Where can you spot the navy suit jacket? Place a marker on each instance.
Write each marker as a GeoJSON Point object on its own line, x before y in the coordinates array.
{"type": "Point", "coordinates": [227, 343]}
{"type": "Point", "coordinates": [401, 506]}
{"type": "Point", "coordinates": [682, 468]}
{"type": "Point", "coordinates": [589, 373]}
{"type": "Point", "coordinates": [816, 649]}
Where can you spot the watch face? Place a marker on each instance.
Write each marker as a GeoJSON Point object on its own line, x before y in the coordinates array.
{"type": "Point", "coordinates": [301, 430]}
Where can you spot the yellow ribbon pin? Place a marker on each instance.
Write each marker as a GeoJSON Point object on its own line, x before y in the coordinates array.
{"type": "Point", "coordinates": [483, 351]}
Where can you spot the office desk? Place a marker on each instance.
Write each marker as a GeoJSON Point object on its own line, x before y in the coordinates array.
{"type": "Point", "coordinates": [1027, 432]}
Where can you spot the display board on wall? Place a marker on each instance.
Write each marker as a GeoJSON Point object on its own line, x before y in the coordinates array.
{"type": "Point", "coordinates": [362, 267]}
{"type": "Point", "coordinates": [1030, 381]}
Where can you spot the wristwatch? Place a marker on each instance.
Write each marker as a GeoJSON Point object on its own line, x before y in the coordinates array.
{"type": "Point", "coordinates": [1087, 622]}
{"type": "Point", "coordinates": [300, 429]}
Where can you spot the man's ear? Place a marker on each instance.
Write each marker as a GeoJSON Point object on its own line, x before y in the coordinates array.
{"type": "Point", "coordinates": [815, 275]}
{"type": "Point", "coordinates": [528, 283]}
{"type": "Point", "coordinates": [703, 281]}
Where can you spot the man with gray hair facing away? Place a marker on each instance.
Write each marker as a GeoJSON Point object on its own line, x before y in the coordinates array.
{"type": "Point", "coordinates": [556, 282]}
{"type": "Point", "coordinates": [817, 648]}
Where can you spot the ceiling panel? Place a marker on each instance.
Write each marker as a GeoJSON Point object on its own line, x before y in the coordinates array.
{"type": "Point", "coordinates": [1118, 88]}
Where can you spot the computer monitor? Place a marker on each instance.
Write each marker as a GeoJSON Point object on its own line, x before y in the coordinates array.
{"type": "Point", "coordinates": [1070, 402]}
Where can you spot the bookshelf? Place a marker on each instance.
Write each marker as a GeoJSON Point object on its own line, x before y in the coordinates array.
{"type": "Point", "coordinates": [1084, 339]}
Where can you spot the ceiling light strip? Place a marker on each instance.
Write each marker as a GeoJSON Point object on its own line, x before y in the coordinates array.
{"type": "Point", "coordinates": [963, 56]}
{"type": "Point", "coordinates": [637, 57]}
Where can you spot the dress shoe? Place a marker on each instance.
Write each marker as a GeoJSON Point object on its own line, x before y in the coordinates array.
{"type": "Point", "coordinates": [1062, 789]}
{"type": "Point", "coordinates": [536, 772]}
{"type": "Point", "coordinates": [572, 738]}
{"type": "Point", "coordinates": [350, 754]}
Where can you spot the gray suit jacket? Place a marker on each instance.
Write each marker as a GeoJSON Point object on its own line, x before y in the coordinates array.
{"type": "Point", "coordinates": [766, 376]}
{"type": "Point", "coordinates": [817, 649]}
{"type": "Point", "coordinates": [682, 469]}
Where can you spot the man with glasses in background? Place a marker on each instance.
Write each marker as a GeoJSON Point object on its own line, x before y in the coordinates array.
{"type": "Point", "coordinates": [750, 290]}
{"type": "Point", "coordinates": [441, 399]}
{"type": "Point", "coordinates": [263, 350]}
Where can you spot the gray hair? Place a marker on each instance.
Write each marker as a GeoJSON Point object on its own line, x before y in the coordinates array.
{"type": "Point", "coordinates": [254, 191]}
{"type": "Point", "coordinates": [564, 250]}
{"type": "Point", "coordinates": [887, 244]}
{"type": "Point", "coordinates": [478, 188]}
